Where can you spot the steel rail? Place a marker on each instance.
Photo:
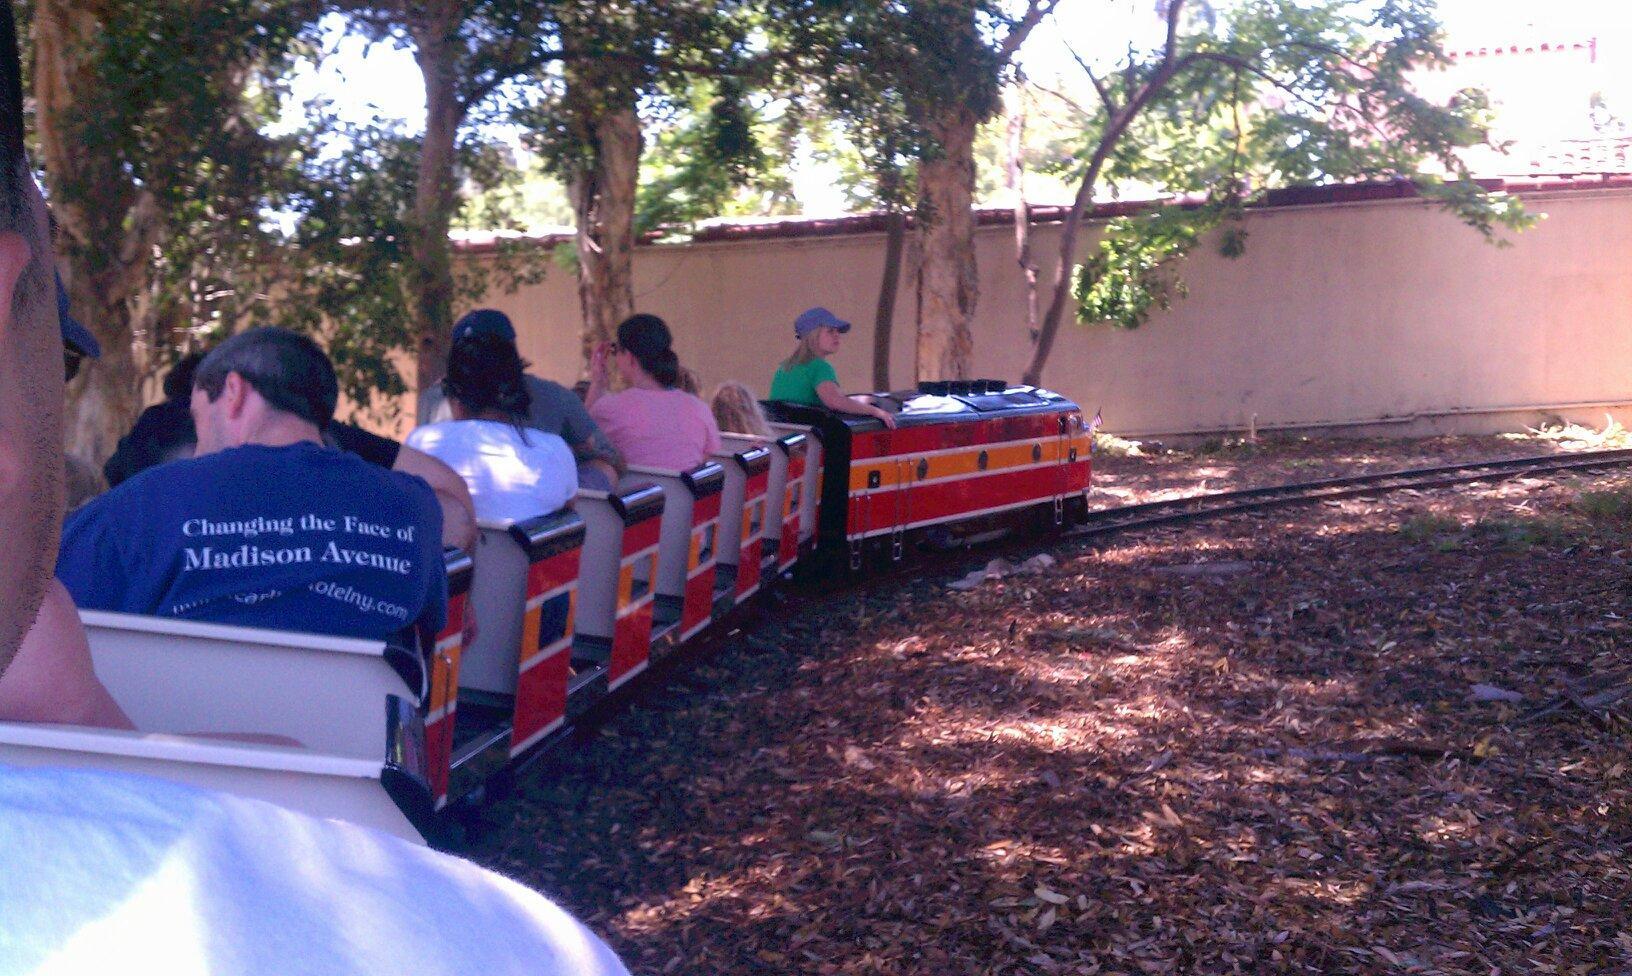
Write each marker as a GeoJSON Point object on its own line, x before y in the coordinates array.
{"type": "Point", "coordinates": [1194, 507]}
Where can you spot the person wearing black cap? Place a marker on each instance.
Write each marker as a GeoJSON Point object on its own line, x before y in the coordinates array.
{"type": "Point", "coordinates": [552, 408]}
{"type": "Point", "coordinates": [807, 378]}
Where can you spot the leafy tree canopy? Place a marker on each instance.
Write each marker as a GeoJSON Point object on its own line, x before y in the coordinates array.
{"type": "Point", "coordinates": [1256, 95]}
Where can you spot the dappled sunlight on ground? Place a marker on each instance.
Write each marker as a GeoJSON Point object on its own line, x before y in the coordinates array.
{"type": "Point", "coordinates": [1107, 767]}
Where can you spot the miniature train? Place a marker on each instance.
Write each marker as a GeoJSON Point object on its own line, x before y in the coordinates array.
{"type": "Point", "coordinates": [570, 607]}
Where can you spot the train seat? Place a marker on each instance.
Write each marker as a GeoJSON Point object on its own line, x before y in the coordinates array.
{"type": "Point", "coordinates": [613, 617]}
{"type": "Point", "coordinates": [688, 551]}
{"type": "Point", "coordinates": [445, 653]}
{"type": "Point", "coordinates": [185, 677]}
{"type": "Point", "coordinates": [784, 491]}
{"type": "Point", "coordinates": [809, 470]}
{"type": "Point", "coordinates": [379, 792]}
{"type": "Point", "coordinates": [747, 464]}
{"type": "Point", "coordinates": [512, 679]}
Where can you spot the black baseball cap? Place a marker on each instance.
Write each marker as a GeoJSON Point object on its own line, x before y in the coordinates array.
{"type": "Point", "coordinates": [484, 321]}
{"type": "Point", "coordinates": [74, 335]}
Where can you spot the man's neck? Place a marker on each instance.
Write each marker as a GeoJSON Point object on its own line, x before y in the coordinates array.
{"type": "Point", "coordinates": [282, 430]}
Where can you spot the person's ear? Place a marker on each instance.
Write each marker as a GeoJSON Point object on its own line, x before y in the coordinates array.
{"type": "Point", "coordinates": [234, 396]}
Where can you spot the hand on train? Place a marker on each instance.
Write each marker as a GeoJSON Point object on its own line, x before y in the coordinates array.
{"type": "Point", "coordinates": [884, 415]}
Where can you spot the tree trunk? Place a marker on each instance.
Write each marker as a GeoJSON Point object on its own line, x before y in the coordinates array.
{"type": "Point", "coordinates": [106, 228]}
{"type": "Point", "coordinates": [948, 282]}
{"type": "Point", "coordinates": [1050, 325]}
{"type": "Point", "coordinates": [430, 281]}
{"type": "Point", "coordinates": [1022, 210]}
{"type": "Point", "coordinates": [603, 202]}
{"type": "Point", "coordinates": [895, 238]}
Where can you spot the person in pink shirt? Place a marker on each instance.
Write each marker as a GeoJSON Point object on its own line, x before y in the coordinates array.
{"type": "Point", "coordinates": [651, 422]}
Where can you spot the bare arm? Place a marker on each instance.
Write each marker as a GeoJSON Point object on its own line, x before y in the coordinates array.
{"type": "Point", "coordinates": [834, 399]}
{"type": "Point", "coordinates": [458, 510]}
{"type": "Point", "coordinates": [52, 679]}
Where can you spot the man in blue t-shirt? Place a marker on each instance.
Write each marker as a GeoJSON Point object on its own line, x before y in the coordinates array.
{"type": "Point", "coordinates": [266, 526]}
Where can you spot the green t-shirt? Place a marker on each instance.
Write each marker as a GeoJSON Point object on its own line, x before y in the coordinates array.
{"type": "Point", "coordinates": [797, 384]}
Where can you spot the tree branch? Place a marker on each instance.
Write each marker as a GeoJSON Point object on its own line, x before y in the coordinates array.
{"type": "Point", "coordinates": [1070, 102]}
{"type": "Point", "coordinates": [485, 88]}
{"type": "Point", "coordinates": [1099, 86]}
{"type": "Point", "coordinates": [1036, 10]}
{"type": "Point", "coordinates": [1170, 48]}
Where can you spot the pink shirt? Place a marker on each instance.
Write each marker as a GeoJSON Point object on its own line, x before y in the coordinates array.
{"type": "Point", "coordinates": [658, 428]}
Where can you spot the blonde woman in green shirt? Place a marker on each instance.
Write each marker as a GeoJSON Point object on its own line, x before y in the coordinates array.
{"type": "Point", "coordinates": [807, 378]}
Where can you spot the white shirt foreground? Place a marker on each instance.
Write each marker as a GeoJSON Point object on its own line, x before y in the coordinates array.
{"type": "Point", "coordinates": [513, 474]}
{"type": "Point", "coordinates": [109, 873]}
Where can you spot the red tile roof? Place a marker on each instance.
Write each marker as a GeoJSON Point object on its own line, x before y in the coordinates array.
{"type": "Point", "coordinates": [1298, 196]}
{"type": "Point", "coordinates": [1590, 46]}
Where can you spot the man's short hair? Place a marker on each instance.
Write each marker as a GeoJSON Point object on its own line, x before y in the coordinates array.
{"type": "Point", "coordinates": [287, 369]}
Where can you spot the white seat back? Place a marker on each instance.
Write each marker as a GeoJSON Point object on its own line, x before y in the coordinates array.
{"type": "Point", "coordinates": [810, 498]}
{"type": "Point", "coordinates": [337, 787]}
{"type": "Point", "coordinates": [176, 676]}
{"type": "Point", "coordinates": [498, 598]}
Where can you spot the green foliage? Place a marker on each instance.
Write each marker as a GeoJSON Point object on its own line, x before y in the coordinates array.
{"type": "Point", "coordinates": [166, 145]}
{"type": "Point", "coordinates": [1131, 273]}
{"type": "Point", "coordinates": [1052, 132]}
{"type": "Point", "coordinates": [1267, 94]}
{"type": "Point", "coordinates": [352, 200]}
{"type": "Point", "coordinates": [711, 159]}
{"type": "Point", "coordinates": [344, 268]}
{"type": "Point", "coordinates": [1517, 534]}
{"type": "Point", "coordinates": [878, 77]}
{"type": "Point", "coordinates": [524, 198]}
{"type": "Point", "coordinates": [649, 53]}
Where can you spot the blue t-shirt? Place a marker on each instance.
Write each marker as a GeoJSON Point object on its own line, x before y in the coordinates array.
{"type": "Point", "coordinates": [302, 537]}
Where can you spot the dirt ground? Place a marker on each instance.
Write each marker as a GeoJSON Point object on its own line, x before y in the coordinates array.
{"type": "Point", "coordinates": [1127, 472]}
{"type": "Point", "coordinates": [1368, 736]}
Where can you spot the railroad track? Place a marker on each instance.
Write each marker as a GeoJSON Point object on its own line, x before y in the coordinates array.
{"type": "Point", "coordinates": [1195, 507]}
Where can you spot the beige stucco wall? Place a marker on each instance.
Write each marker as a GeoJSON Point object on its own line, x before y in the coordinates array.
{"type": "Point", "coordinates": [1337, 314]}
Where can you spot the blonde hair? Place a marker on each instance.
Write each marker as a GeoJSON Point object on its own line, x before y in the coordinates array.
{"type": "Point", "coordinates": [736, 410]}
{"type": "Point", "coordinates": [804, 352]}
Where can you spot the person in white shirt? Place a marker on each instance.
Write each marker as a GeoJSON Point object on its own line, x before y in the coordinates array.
{"type": "Point", "coordinates": [514, 472]}
{"type": "Point", "coordinates": [109, 872]}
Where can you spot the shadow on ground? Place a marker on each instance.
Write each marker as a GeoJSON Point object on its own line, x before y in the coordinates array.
{"type": "Point", "coordinates": [1120, 767]}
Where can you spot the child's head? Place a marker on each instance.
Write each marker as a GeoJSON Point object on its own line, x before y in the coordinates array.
{"type": "Point", "coordinates": [818, 332]}
{"type": "Point", "coordinates": [736, 410]}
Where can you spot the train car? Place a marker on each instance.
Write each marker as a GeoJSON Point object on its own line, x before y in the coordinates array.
{"type": "Point", "coordinates": [569, 608]}
{"type": "Point", "coordinates": [964, 456]}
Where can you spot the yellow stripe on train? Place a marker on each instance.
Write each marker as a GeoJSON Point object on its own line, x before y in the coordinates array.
{"type": "Point", "coordinates": [1001, 457]}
